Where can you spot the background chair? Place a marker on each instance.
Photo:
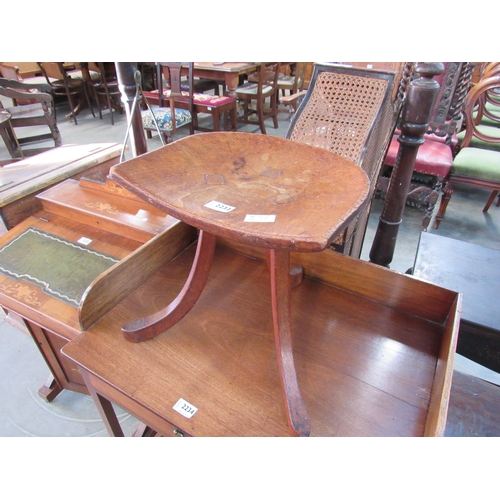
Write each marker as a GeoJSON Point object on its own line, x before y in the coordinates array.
{"type": "Point", "coordinates": [215, 105]}
{"type": "Point", "coordinates": [169, 116]}
{"type": "Point", "coordinates": [293, 82]}
{"type": "Point", "coordinates": [62, 84]}
{"type": "Point", "coordinates": [106, 90]}
{"type": "Point", "coordinates": [351, 112]}
{"type": "Point", "coordinates": [38, 111]}
{"type": "Point", "coordinates": [260, 86]}
{"type": "Point", "coordinates": [475, 166]}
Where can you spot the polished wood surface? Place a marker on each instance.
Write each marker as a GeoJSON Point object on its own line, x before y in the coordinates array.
{"type": "Point", "coordinates": [309, 193]}
{"type": "Point", "coordinates": [227, 72]}
{"type": "Point", "coordinates": [358, 376]}
{"type": "Point", "coordinates": [21, 181]}
{"type": "Point", "coordinates": [115, 223]}
{"type": "Point", "coordinates": [312, 193]}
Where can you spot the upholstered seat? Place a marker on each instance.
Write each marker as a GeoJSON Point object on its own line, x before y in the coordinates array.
{"type": "Point", "coordinates": [173, 109]}
{"type": "Point", "coordinates": [478, 167]}
{"type": "Point", "coordinates": [478, 163]}
{"type": "Point", "coordinates": [434, 157]}
{"type": "Point", "coordinates": [164, 118]}
{"type": "Point", "coordinates": [202, 103]}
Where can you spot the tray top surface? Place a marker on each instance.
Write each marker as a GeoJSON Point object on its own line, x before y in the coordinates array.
{"type": "Point", "coordinates": [260, 189]}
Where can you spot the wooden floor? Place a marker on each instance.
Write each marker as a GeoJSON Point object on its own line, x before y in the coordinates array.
{"type": "Point", "coordinates": [474, 408]}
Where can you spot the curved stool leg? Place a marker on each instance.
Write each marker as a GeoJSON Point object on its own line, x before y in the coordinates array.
{"type": "Point", "coordinates": [151, 326]}
{"type": "Point", "coordinates": [298, 419]}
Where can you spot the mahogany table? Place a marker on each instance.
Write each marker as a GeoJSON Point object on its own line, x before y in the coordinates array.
{"type": "Point", "coordinates": [372, 349]}
{"type": "Point", "coordinates": [229, 72]}
{"type": "Point", "coordinates": [264, 191]}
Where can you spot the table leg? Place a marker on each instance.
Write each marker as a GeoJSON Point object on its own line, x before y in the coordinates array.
{"type": "Point", "coordinates": [298, 419]}
{"type": "Point", "coordinates": [231, 80]}
{"type": "Point", "coordinates": [105, 408]}
{"type": "Point", "coordinates": [151, 326]}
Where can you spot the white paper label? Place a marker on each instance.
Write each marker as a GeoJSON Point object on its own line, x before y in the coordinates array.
{"type": "Point", "coordinates": [184, 408]}
{"type": "Point", "coordinates": [260, 218]}
{"type": "Point", "coordinates": [220, 207]}
{"type": "Point", "coordinates": [84, 241]}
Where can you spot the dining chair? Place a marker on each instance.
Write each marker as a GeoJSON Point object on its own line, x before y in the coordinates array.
{"type": "Point", "coordinates": [260, 86]}
{"type": "Point", "coordinates": [37, 112]}
{"type": "Point", "coordinates": [63, 84]}
{"type": "Point", "coordinates": [106, 89]}
{"type": "Point", "coordinates": [351, 112]}
{"type": "Point", "coordinates": [174, 110]}
{"type": "Point", "coordinates": [212, 104]}
{"type": "Point", "coordinates": [292, 83]}
{"type": "Point", "coordinates": [475, 166]}
{"type": "Point", "coordinates": [434, 158]}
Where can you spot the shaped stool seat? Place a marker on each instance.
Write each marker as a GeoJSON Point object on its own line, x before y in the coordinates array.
{"type": "Point", "coordinates": [254, 189]}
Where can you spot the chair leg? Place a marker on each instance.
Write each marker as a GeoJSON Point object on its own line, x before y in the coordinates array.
{"type": "Point", "coordinates": [491, 199]}
{"type": "Point", "coordinates": [447, 193]}
{"type": "Point", "coordinates": [260, 114]}
{"type": "Point", "coordinates": [88, 99]}
{"type": "Point", "coordinates": [274, 109]}
{"type": "Point", "coordinates": [234, 119]}
{"type": "Point", "coordinates": [72, 113]}
{"type": "Point", "coordinates": [98, 102]}
{"type": "Point", "coordinates": [216, 119]}
{"type": "Point", "coordinates": [9, 137]}
{"type": "Point", "coordinates": [110, 107]}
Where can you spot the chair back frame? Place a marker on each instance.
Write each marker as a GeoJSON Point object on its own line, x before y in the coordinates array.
{"type": "Point", "coordinates": [173, 72]}
{"type": "Point", "coordinates": [351, 112]}
{"type": "Point", "coordinates": [39, 111]}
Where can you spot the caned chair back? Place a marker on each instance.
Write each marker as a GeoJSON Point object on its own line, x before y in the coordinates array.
{"type": "Point", "coordinates": [351, 112]}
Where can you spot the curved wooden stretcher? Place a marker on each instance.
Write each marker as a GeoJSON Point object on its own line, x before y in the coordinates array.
{"type": "Point", "coordinates": [260, 190]}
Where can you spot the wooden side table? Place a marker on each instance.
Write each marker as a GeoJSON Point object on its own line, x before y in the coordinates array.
{"type": "Point", "coordinates": [260, 190]}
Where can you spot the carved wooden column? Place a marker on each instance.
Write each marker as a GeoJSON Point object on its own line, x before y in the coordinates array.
{"type": "Point", "coordinates": [126, 74]}
{"type": "Point", "coordinates": [415, 120]}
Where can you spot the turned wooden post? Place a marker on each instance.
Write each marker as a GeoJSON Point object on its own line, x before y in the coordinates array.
{"type": "Point", "coordinates": [125, 72]}
{"type": "Point", "coordinates": [415, 121]}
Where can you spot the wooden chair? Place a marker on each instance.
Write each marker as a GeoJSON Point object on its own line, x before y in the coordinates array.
{"type": "Point", "coordinates": [63, 84]}
{"type": "Point", "coordinates": [215, 105]}
{"type": "Point", "coordinates": [261, 86]}
{"type": "Point", "coordinates": [475, 166]}
{"type": "Point", "coordinates": [174, 110]}
{"type": "Point", "coordinates": [292, 83]}
{"type": "Point", "coordinates": [106, 89]}
{"type": "Point", "coordinates": [38, 111]}
{"type": "Point", "coordinates": [351, 112]}
{"type": "Point", "coordinates": [12, 72]}
{"type": "Point", "coordinates": [435, 156]}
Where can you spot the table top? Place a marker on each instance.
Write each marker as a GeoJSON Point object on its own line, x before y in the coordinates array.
{"type": "Point", "coordinates": [226, 67]}
{"type": "Point", "coordinates": [257, 189]}
{"type": "Point", "coordinates": [27, 176]}
{"type": "Point", "coordinates": [463, 267]}
{"type": "Point", "coordinates": [358, 376]}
